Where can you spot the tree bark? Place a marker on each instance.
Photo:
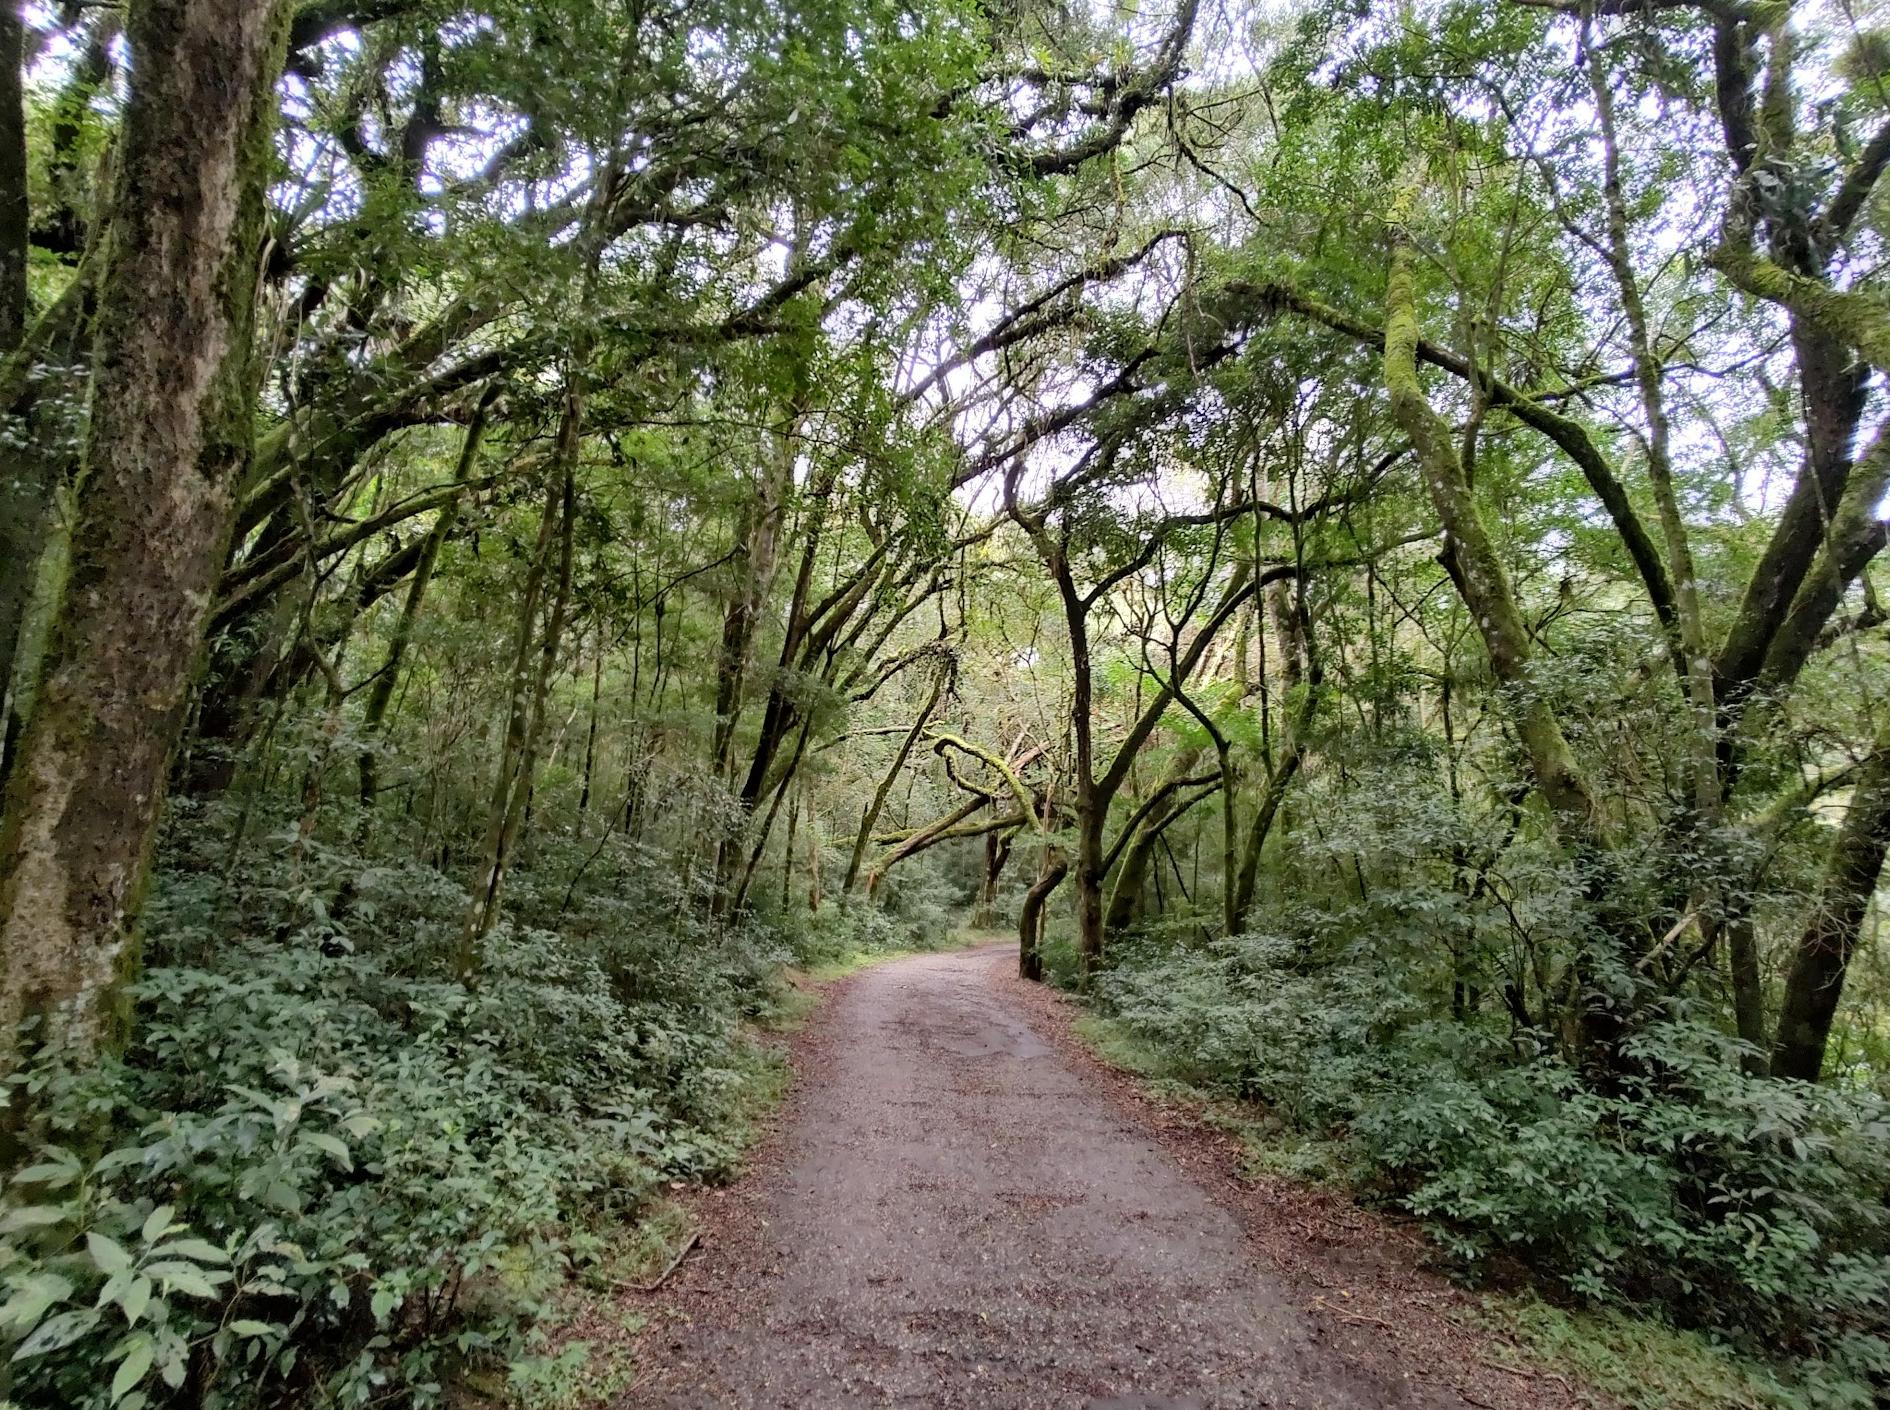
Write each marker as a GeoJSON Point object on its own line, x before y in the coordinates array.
{"type": "Point", "coordinates": [871, 815]}
{"type": "Point", "coordinates": [530, 689]}
{"type": "Point", "coordinates": [1596, 1019]}
{"type": "Point", "coordinates": [15, 211]}
{"type": "Point", "coordinates": [1138, 846]}
{"type": "Point", "coordinates": [1816, 981]}
{"type": "Point", "coordinates": [997, 851]}
{"type": "Point", "coordinates": [1030, 917]}
{"type": "Point", "coordinates": [170, 431]}
{"type": "Point", "coordinates": [1474, 565]}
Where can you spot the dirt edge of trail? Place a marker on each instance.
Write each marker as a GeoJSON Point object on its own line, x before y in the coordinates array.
{"type": "Point", "coordinates": [729, 1219]}
{"type": "Point", "coordinates": [1361, 1274]}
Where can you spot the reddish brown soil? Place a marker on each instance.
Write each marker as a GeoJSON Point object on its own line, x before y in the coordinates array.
{"type": "Point", "coordinates": [961, 1207]}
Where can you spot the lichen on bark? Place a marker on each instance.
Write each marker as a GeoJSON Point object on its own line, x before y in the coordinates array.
{"type": "Point", "coordinates": [171, 423]}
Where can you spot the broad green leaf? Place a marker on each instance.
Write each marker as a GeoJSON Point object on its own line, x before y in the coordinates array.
{"type": "Point", "coordinates": [187, 1278]}
{"type": "Point", "coordinates": [332, 1146]}
{"type": "Point", "coordinates": [137, 1297]}
{"type": "Point", "coordinates": [57, 1332]}
{"type": "Point", "coordinates": [202, 1250]}
{"type": "Point", "coordinates": [107, 1253]}
{"type": "Point", "coordinates": [33, 1216]}
{"type": "Point", "coordinates": [31, 1299]}
{"type": "Point", "coordinates": [138, 1356]}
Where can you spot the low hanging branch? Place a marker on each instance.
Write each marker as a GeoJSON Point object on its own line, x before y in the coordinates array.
{"type": "Point", "coordinates": [1026, 802]}
{"type": "Point", "coordinates": [870, 815]}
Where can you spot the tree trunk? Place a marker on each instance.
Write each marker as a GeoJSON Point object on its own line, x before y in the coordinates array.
{"type": "Point", "coordinates": [525, 722]}
{"type": "Point", "coordinates": [1483, 584]}
{"type": "Point", "coordinates": [170, 430]}
{"type": "Point", "coordinates": [1131, 875]}
{"type": "Point", "coordinates": [870, 815]}
{"type": "Point", "coordinates": [1279, 780]}
{"type": "Point", "coordinates": [759, 538]}
{"type": "Point", "coordinates": [15, 210]}
{"type": "Point", "coordinates": [1030, 918]}
{"type": "Point", "coordinates": [42, 410]}
{"type": "Point", "coordinates": [1816, 981]}
{"type": "Point", "coordinates": [374, 716]}
{"type": "Point", "coordinates": [590, 730]}
{"type": "Point", "coordinates": [1475, 568]}
{"type": "Point", "coordinates": [997, 851]}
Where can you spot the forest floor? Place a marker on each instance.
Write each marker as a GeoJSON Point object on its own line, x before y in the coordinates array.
{"type": "Point", "coordinates": [960, 1206]}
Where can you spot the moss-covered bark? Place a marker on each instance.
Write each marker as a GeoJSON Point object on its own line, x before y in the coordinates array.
{"type": "Point", "coordinates": [171, 425]}
{"type": "Point", "coordinates": [14, 209]}
{"type": "Point", "coordinates": [1474, 564]}
{"type": "Point", "coordinates": [1815, 982]}
{"type": "Point", "coordinates": [381, 696]}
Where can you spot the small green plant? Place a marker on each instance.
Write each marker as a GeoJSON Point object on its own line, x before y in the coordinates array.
{"type": "Point", "coordinates": [1647, 1365]}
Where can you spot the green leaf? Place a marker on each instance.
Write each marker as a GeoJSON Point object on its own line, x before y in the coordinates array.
{"type": "Point", "coordinates": [138, 1357]}
{"type": "Point", "coordinates": [33, 1216]}
{"type": "Point", "coordinates": [55, 1172]}
{"type": "Point", "coordinates": [171, 1368]}
{"type": "Point", "coordinates": [57, 1333]}
{"type": "Point", "coordinates": [137, 1297]}
{"type": "Point", "coordinates": [283, 1196]}
{"type": "Point", "coordinates": [188, 1278]}
{"type": "Point", "coordinates": [113, 1288]}
{"type": "Point", "coordinates": [31, 1299]}
{"type": "Point", "coordinates": [332, 1145]}
{"type": "Point", "coordinates": [201, 1250]}
{"type": "Point", "coordinates": [158, 1221]}
{"type": "Point", "coordinates": [250, 1327]}
{"type": "Point", "coordinates": [107, 1253]}
{"type": "Point", "coordinates": [384, 1301]}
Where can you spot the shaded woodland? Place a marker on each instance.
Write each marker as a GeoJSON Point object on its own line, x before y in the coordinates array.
{"type": "Point", "coordinates": [1351, 528]}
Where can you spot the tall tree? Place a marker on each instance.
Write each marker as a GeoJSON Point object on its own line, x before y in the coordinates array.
{"type": "Point", "coordinates": [171, 422]}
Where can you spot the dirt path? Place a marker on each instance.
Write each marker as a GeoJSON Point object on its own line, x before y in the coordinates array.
{"type": "Point", "coordinates": [958, 1211]}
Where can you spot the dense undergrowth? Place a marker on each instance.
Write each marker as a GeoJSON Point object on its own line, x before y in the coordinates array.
{"type": "Point", "coordinates": [1749, 1210]}
{"type": "Point", "coordinates": [324, 1172]}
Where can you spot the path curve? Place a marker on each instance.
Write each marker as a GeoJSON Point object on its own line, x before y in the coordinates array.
{"type": "Point", "coordinates": [960, 1216]}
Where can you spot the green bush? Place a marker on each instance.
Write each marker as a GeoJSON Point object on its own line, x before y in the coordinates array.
{"type": "Point", "coordinates": [323, 1171]}
{"type": "Point", "coordinates": [1751, 1206]}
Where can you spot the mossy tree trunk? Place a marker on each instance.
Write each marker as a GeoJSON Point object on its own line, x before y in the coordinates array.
{"type": "Point", "coordinates": [170, 431]}
{"type": "Point", "coordinates": [530, 684]}
{"type": "Point", "coordinates": [15, 211]}
{"type": "Point", "coordinates": [869, 817]}
{"type": "Point", "coordinates": [1030, 918]}
{"type": "Point", "coordinates": [1815, 982]}
{"type": "Point", "coordinates": [20, 494]}
{"type": "Point", "coordinates": [1595, 1020]}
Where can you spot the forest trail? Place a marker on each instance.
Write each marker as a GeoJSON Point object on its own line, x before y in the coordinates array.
{"type": "Point", "coordinates": [958, 1213]}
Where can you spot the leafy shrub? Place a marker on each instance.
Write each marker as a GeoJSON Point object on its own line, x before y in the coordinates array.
{"type": "Point", "coordinates": [1752, 1206]}
{"type": "Point", "coordinates": [1759, 1203]}
{"type": "Point", "coordinates": [1254, 1018]}
{"type": "Point", "coordinates": [324, 1171]}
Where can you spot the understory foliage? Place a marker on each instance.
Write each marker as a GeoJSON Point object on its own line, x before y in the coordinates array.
{"type": "Point", "coordinates": [324, 1169]}
{"type": "Point", "coordinates": [1360, 1018]}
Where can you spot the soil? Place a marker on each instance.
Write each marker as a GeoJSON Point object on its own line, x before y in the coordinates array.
{"type": "Point", "coordinates": [961, 1207]}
